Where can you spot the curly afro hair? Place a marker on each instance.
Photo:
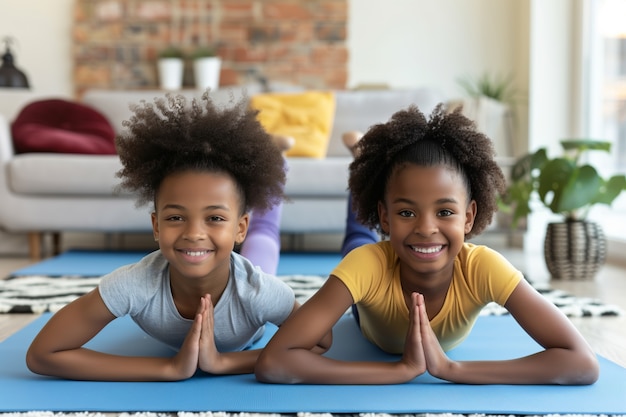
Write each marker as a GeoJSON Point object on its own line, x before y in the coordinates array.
{"type": "Point", "coordinates": [448, 139]}
{"type": "Point", "coordinates": [171, 136]}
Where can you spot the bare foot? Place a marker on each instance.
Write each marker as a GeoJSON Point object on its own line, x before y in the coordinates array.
{"type": "Point", "coordinates": [350, 139]}
{"type": "Point", "coordinates": [283, 142]}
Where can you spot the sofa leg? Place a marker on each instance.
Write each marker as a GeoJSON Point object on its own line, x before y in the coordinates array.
{"type": "Point", "coordinates": [34, 245]}
{"type": "Point", "coordinates": [56, 243]}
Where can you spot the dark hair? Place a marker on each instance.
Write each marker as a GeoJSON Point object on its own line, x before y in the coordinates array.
{"type": "Point", "coordinates": [448, 139]}
{"type": "Point", "coordinates": [171, 136]}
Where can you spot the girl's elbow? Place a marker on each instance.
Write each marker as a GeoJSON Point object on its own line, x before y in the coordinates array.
{"type": "Point", "coordinates": [34, 362]}
{"type": "Point", "coordinates": [270, 369]}
{"type": "Point", "coordinates": [265, 368]}
{"type": "Point", "coordinates": [591, 370]}
{"type": "Point", "coordinates": [587, 370]}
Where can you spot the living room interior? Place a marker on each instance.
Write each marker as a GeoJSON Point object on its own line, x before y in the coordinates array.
{"type": "Point", "coordinates": [541, 48]}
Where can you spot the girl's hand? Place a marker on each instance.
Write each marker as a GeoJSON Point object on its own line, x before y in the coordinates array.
{"type": "Point", "coordinates": [185, 363]}
{"type": "Point", "coordinates": [413, 356]}
{"type": "Point", "coordinates": [435, 358]}
{"type": "Point", "coordinates": [210, 360]}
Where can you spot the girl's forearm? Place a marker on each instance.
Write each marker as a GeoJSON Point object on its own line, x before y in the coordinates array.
{"type": "Point", "coordinates": [230, 363]}
{"type": "Point", "coordinates": [244, 362]}
{"type": "Point", "coordinates": [301, 366]}
{"type": "Point", "coordinates": [552, 366]}
{"type": "Point", "coordinates": [85, 364]}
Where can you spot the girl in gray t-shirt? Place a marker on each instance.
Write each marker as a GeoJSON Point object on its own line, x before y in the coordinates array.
{"type": "Point", "coordinates": [205, 168]}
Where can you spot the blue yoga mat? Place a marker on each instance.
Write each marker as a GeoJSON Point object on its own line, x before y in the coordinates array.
{"type": "Point", "coordinates": [97, 263]}
{"type": "Point", "coordinates": [492, 338]}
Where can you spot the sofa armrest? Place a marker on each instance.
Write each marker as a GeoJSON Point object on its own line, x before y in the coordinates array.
{"type": "Point", "coordinates": [7, 151]}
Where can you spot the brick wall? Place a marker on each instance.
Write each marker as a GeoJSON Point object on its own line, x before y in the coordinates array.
{"type": "Point", "coordinates": [116, 42]}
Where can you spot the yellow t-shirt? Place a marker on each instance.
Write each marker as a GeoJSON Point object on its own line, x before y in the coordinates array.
{"type": "Point", "coordinates": [372, 275]}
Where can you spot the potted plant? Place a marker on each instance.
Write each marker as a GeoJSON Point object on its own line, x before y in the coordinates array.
{"type": "Point", "coordinates": [206, 66]}
{"type": "Point", "coordinates": [170, 67]}
{"type": "Point", "coordinates": [495, 87]}
{"type": "Point", "coordinates": [491, 103]}
{"type": "Point", "coordinates": [574, 248]}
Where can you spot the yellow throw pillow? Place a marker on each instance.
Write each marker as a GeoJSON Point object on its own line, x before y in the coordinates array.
{"type": "Point", "coordinates": [307, 117]}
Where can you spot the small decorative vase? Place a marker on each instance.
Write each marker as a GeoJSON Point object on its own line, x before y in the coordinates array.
{"type": "Point", "coordinates": [574, 250]}
{"type": "Point", "coordinates": [207, 72]}
{"type": "Point", "coordinates": [170, 73]}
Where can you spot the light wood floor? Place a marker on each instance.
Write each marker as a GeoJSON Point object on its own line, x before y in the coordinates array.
{"type": "Point", "coordinates": [607, 335]}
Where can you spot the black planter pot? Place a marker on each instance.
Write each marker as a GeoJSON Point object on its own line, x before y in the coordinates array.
{"type": "Point", "coordinates": [574, 250]}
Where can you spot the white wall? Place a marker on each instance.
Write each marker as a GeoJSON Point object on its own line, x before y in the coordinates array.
{"type": "Point", "coordinates": [420, 42]}
{"type": "Point", "coordinates": [42, 29]}
{"type": "Point", "coordinates": [42, 50]}
{"type": "Point", "coordinates": [413, 43]}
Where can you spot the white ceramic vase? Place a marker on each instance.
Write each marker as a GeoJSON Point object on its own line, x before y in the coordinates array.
{"type": "Point", "coordinates": [207, 72]}
{"type": "Point", "coordinates": [170, 73]}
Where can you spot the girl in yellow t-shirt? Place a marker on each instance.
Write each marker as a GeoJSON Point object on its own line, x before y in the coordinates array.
{"type": "Point", "coordinates": [426, 185]}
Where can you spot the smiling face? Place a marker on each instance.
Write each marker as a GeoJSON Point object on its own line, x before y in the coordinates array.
{"type": "Point", "coordinates": [426, 215]}
{"type": "Point", "coordinates": [197, 222]}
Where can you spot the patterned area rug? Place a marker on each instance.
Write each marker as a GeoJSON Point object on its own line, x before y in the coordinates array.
{"type": "Point", "coordinates": [39, 294]}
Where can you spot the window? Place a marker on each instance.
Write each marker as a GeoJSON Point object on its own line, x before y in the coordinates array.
{"type": "Point", "coordinates": [604, 111]}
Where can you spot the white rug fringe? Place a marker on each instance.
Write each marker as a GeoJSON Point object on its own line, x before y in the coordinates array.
{"type": "Point", "coordinates": [301, 414]}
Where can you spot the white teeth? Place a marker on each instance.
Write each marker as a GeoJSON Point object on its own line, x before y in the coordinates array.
{"type": "Point", "coordinates": [195, 253]}
{"type": "Point", "coordinates": [432, 249]}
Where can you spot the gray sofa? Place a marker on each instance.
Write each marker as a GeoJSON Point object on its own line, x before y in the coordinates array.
{"type": "Point", "coordinates": [55, 193]}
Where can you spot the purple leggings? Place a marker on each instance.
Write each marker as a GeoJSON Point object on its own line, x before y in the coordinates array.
{"type": "Point", "coordinates": [262, 244]}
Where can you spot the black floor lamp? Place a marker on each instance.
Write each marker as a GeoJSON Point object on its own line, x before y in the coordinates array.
{"type": "Point", "coordinates": [10, 75]}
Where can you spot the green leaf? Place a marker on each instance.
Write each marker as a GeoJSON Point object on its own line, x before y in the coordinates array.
{"type": "Point", "coordinates": [553, 178]}
{"type": "Point", "coordinates": [580, 191]}
{"type": "Point", "coordinates": [539, 159]}
{"type": "Point", "coordinates": [521, 169]}
{"type": "Point", "coordinates": [610, 190]}
{"type": "Point", "coordinates": [517, 200]}
{"type": "Point", "coordinates": [497, 87]}
{"type": "Point", "coordinates": [524, 166]}
{"type": "Point", "coordinates": [203, 52]}
{"type": "Point", "coordinates": [171, 52]}
{"type": "Point", "coordinates": [585, 145]}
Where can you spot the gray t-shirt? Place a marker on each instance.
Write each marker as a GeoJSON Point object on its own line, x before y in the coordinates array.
{"type": "Point", "coordinates": [251, 299]}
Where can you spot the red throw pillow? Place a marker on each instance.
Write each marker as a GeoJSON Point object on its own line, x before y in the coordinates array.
{"type": "Point", "coordinates": [62, 126]}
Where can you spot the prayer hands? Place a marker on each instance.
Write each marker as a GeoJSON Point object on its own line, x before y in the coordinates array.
{"type": "Point", "coordinates": [198, 349]}
{"type": "Point", "coordinates": [422, 351]}
{"type": "Point", "coordinates": [209, 359]}
{"type": "Point", "coordinates": [185, 363]}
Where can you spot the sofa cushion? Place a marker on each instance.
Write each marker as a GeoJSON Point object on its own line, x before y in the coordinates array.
{"type": "Point", "coordinates": [311, 177]}
{"type": "Point", "coordinates": [307, 117]}
{"type": "Point", "coordinates": [94, 175]}
{"type": "Point", "coordinates": [360, 110]}
{"type": "Point", "coordinates": [62, 126]}
{"type": "Point", "coordinates": [59, 175]}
